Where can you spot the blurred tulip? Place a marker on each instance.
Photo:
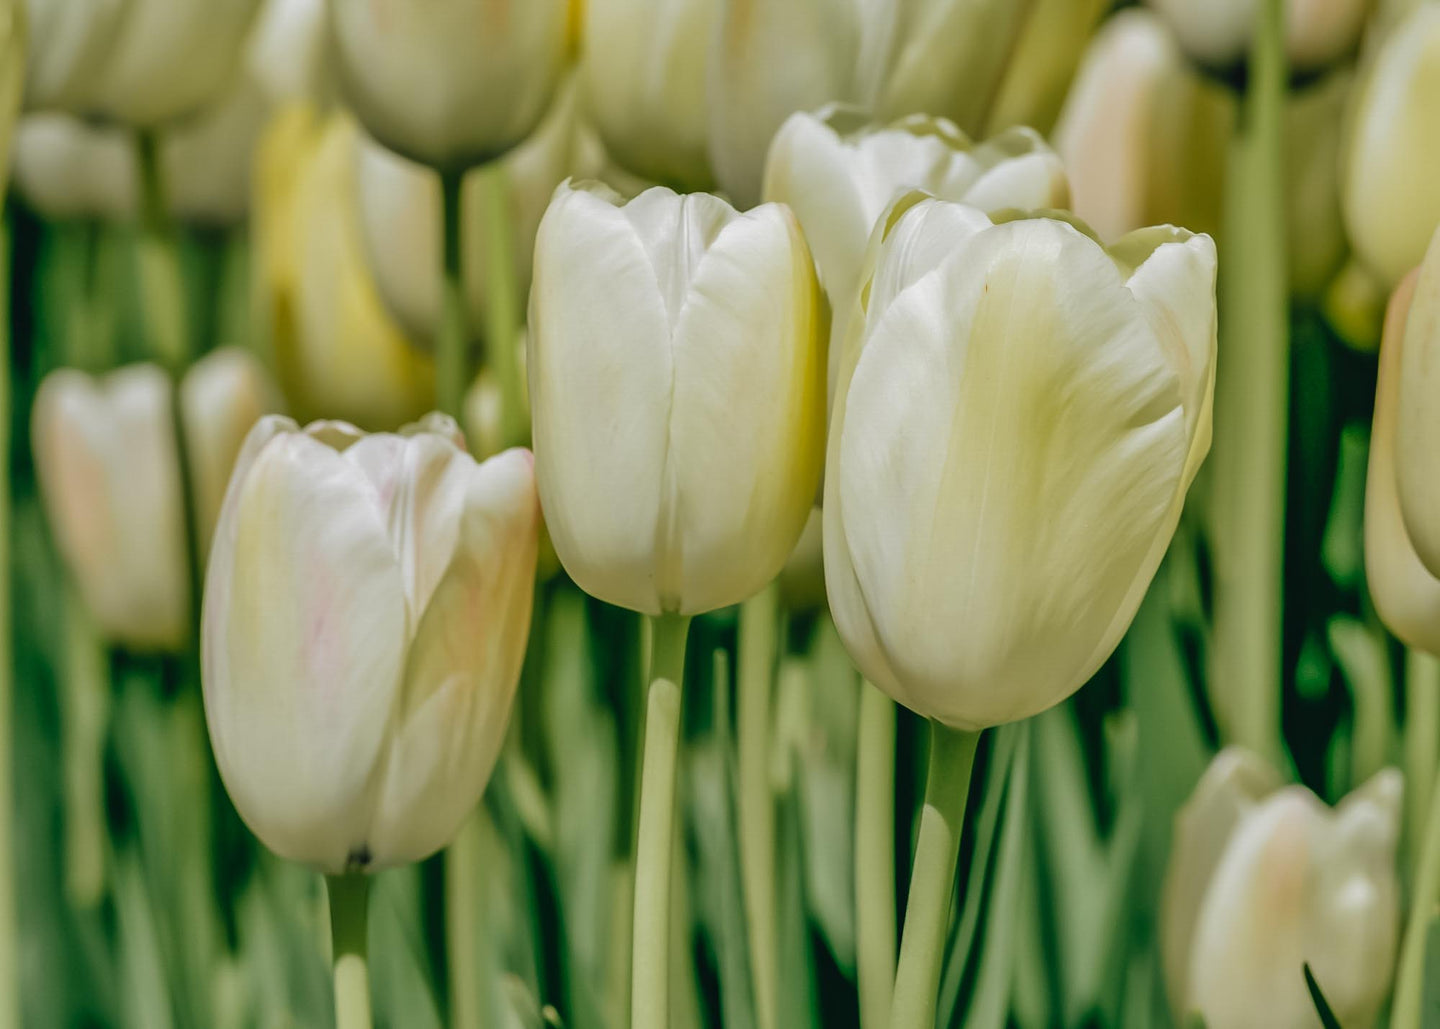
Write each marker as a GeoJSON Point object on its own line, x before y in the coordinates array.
{"type": "Point", "coordinates": [366, 610]}
{"type": "Point", "coordinates": [677, 384]}
{"type": "Point", "coordinates": [1265, 878]}
{"type": "Point", "coordinates": [65, 167]}
{"type": "Point", "coordinates": [1038, 75]}
{"type": "Point", "coordinates": [1217, 32]}
{"type": "Point", "coordinates": [222, 396]}
{"type": "Point", "coordinates": [450, 83]}
{"type": "Point", "coordinates": [69, 40]}
{"type": "Point", "coordinates": [644, 75]}
{"type": "Point", "coordinates": [1018, 416]}
{"type": "Point", "coordinates": [338, 351]}
{"type": "Point", "coordinates": [1316, 247]}
{"type": "Point", "coordinates": [108, 467]}
{"type": "Point", "coordinates": [1417, 443]}
{"type": "Point", "coordinates": [14, 48]}
{"type": "Point", "coordinates": [802, 580]}
{"type": "Point", "coordinates": [286, 52]}
{"type": "Point", "coordinates": [400, 219]}
{"type": "Point", "coordinates": [1143, 136]}
{"type": "Point", "coordinates": [1391, 205]}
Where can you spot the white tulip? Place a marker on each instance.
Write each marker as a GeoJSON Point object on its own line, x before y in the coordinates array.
{"type": "Point", "coordinates": [109, 471]}
{"type": "Point", "coordinates": [1417, 441]}
{"type": "Point", "coordinates": [68, 43]}
{"type": "Point", "coordinates": [1018, 415]}
{"type": "Point", "coordinates": [366, 610]}
{"type": "Point", "coordinates": [676, 364]}
{"type": "Point", "coordinates": [1218, 32]}
{"type": "Point", "coordinates": [450, 83]}
{"type": "Point", "coordinates": [1264, 879]}
{"type": "Point", "coordinates": [65, 167]}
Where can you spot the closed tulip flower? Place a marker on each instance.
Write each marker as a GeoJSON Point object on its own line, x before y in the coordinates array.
{"type": "Point", "coordinates": [677, 385]}
{"type": "Point", "coordinates": [1390, 203]}
{"type": "Point", "coordinates": [1263, 879]}
{"type": "Point", "coordinates": [338, 351]}
{"type": "Point", "coordinates": [1217, 32]}
{"type": "Point", "coordinates": [366, 609]}
{"type": "Point", "coordinates": [68, 43]}
{"type": "Point", "coordinates": [109, 471]}
{"type": "Point", "coordinates": [65, 167]}
{"type": "Point", "coordinates": [1417, 427]}
{"type": "Point", "coordinates": [644, 75]}
{"type": "Point", "coordinates": [450, 83]}
{"type": "Point", "coordinates": [1018, 415]}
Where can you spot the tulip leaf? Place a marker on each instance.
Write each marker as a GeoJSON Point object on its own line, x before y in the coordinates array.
{"type": "Point", "coordinates": [1362, 652]}
{"type": "Point", "coordinates": [1322, 1006]}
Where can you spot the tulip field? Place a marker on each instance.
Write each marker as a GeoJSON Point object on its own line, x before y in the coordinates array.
{"type": "Point", "coordinates": [720, 514]}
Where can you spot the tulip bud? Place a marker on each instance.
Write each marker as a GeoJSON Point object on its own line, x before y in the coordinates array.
{"type": "Point", "coordinates": [1391, 205]}
{"type": "Point", "coordinates": [222, 396]}
{"type": "Point", "coordinates": [839, 174]}
{"type": "Point", "coordinates": [1217, 32]}
{"type": "Point", "coordinates": [108, 467]}
{"type": "Point", "coordinates": [450, 83]}
{"type": "Point", "coordinates": [1417, 441]}
{"type": "Point", "coordinates": [1018, 415]}
{"type": "Point", "coordinates": [1264, 879]}
{"type": "Point", "coordinates": [286, 52]}
{"type": "Point", "coordinates": [67, 168]}
{"type": "Point", "coordinates": [1316, 246]}
{"type": "Point", "coordinates": [677, 385]}
{"type": "Point", "coordinates": [644, 76]}
{"type": "Point", "coordinates": [337, 350]}
{"type": "Point", "coordinates": [69, 40]}
{"type": "Point", "coordinates": [366, 610]}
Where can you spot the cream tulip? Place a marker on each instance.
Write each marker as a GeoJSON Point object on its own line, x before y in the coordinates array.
{"type": "Point", "coordinates": [450, 83]}
{"type": "Point", "coordinates": [366, 609]}
{"type": "Point", "coordinates": [644, 75]}
{"type": "Point", "coordinates": [1018, 415]}
{"type": "Point", "coordinates": [109, 472]}
{"type": "Point", "coordinates": [68, 43]}
{"type": "Point", "coordinates": [65, 167]}
{"type": "Point", "coordinates": [677, 386]}
{"type": "Point", "coordinates": [1217, 32]}
{"type": "Point", "coordinates": [338, 352]}
{"type": "Point", "coordinates": [1417, 427]}
{"type": "Point", "coordinates": [1390, 202]}
{"type": "Point", "coordinates": [1263, 879]}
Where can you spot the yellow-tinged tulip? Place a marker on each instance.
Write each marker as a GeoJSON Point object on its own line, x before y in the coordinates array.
{"type": "Point", "coordinates": [108, 467]}
{"type": "Point", "coordinates": [1391, 205]}
{"type": "Point", "coordinates": [1265, 878]}
{"type": "Point", "coordinates": [450, 83]}
{"type": "Point", "coordinates": [1018, 415]}
{"type": "Point", "coordinates": [338, 351]}
{"type": "Point", "coordinates": [677, 384]}
{"type": "Point", "coordinates": [366, 610]}
{"type": "Point", "coordinates": [838, 174]}
{"type": "Point", "coordinates": [1217, 32]}
{"type": "Point", "coordinates": [1417, 441]}
{"type": "Point", "coordinates": [644, 74]}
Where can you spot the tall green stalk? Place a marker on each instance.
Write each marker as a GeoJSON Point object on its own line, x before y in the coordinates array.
{"type": "Point", "coordinates": [1252, 409]}
{"type": "Point", "coordinates": [1422, 743]}
{"type": "Point", "coordinates": [348, 898]}
{"type": "Point", "coordinates": [875, 857]}
{"type": "Point", "coordinates": [650, 965]}
{"type": "Point", "coordinates": [759, 620]}
{"type": "Point", "coordinates": [502, 303]}
{"type": "Point", "coordinates": [932, 879]}
{"type": "Point", "coordinates": [162, 287]}
{"type": "Point", "coordinates": [9, 929]}
{"type": "Point", "coordinates": [452, 364]}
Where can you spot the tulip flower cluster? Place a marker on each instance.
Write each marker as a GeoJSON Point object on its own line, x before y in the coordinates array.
{"type": "Point", "coordinates": [683, 513]}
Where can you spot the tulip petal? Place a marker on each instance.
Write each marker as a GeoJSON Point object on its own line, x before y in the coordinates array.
{"type": "Point", "coordinates": [1417, 452]}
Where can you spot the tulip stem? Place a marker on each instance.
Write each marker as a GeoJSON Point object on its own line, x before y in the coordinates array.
{"type": "Point", "coordinates": [502, 303]}
{"type": "Point", "coordinates": [1252, 409]}
{"type": "Point", "coordinates": [162, 286]}
{"type": "Point", "coordinates": [9, 930]}
{"type": "Point", "coordinates": [875, 857]}
{"type": "Point", "coordinates": [758, 621]}
{"type": "Point", "coordinates": [932, 879]}
{"type": "Point", "coordinates": [1410, 972]}
{"type": "Point", "coordinates": [348, 895]}
{"type": "Point", "coordinates": [650, 967]}
{"type": "Point", "coordinates": [452, 371]}
{"type": "Point", "coordinates": [1422, 742]}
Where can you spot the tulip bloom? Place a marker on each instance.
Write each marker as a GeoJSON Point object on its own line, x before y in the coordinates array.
{"type": "Point", "coordinates": [677, 383]}
{"type": "Point", "coordinates": [1417, 443]}
{"type": "Point", "coordinates": [366, 609]}
{"type": "Point", "coordinates": [450, 83]}
{"type": "Point", "coordinates": [1263, 879]}
{"type": "Point", "coordinates": [1218, 32]}
{"type": "Point", "coordinates": [109, 471]}
{"type": "Point", "coordinates": [1018, 415]}
{"type": "Point", "coordinates": [1390, 202]}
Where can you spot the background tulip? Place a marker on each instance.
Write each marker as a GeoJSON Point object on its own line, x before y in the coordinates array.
{"type": "Point", "coordinates": [1266, 878]}
{"type": "Point", "coordinates": [644, 74]}
{"type": "Point", "coordinates": [1417, 443]}
{"type": "Point", "coordinates": [678, 420]}
{"type": "Point", "coordinates": [450, 83]}
{"type": "Point", "coordinates": [1218, 33]}
{"type": "Point", "coordinates": [366, 609]}
{"type": "Point", "coordinates": [67, 168]}
{"type": "Point", "coordinates": [1050, 387]}
{"type": "Point", "coordinates": [106, 458]}
{"type": "Point", "coordinates": [68, 41]}
{"type": "Point", "coordinates": [1390, 206]}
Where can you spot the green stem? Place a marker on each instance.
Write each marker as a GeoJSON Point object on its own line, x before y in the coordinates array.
{"type": "Point", "coordinates": [932, 879]}
{"type": "Point", "coordinates": [649, 968]}
{"type": "Point", "coordinates": [452, 369]}
{"type": "Point", "coordinates": [162, 288]}
{"type": "Point", "coordinates": [85, 714]}
{"type": "Point", "coordinates": [1252, 410]}
{"type": "Point", "coordinates": [1422, 742]}
{"type": "Point", "coordinates": [759, 617]}
{"type": "Point", "coordinates": [9, 930]}
{"type": "Point", "coordinates": [348, 947]}
{"type": "Point", "coordinates": [502, 304]}
{"type": "Point", "coordinates": [875, 857]}
{"type": "Point", "coordinates": [1410, 972]}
